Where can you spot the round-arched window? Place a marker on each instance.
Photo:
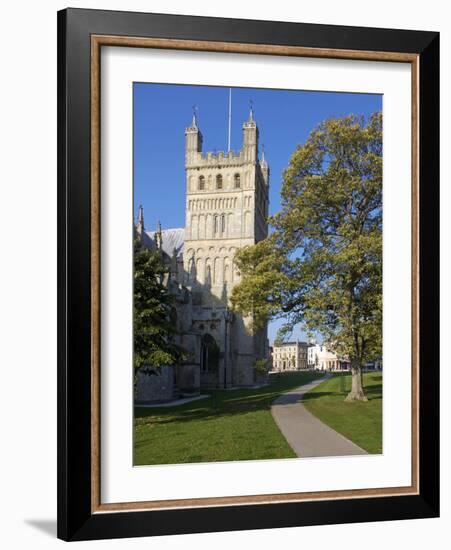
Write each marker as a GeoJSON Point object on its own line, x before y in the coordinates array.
{"type": "Point", "coordinates": [201, 183]}
{"type": "Point", "coordinates": [219, 181]}
{"type": "Point", "coordinates": [237, 181]}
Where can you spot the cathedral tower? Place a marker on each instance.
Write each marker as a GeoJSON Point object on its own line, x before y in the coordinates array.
{"type": "Point", "coordinates": [226, 209]}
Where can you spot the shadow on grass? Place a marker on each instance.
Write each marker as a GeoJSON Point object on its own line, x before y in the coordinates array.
{"type": "Point", "coordinates": [212, 409]}
{"type": "Point", "coordinates": [372, 391]}
{"type": "Point", "coordinates": [224, 403]}
{"type": "Point", "coordinates": [315, 395]}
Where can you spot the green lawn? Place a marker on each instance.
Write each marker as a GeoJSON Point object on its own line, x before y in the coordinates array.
{"type": "Point", "coordinates": [229, 425]}
{"type": "Point", "coordinates": [360, 422]}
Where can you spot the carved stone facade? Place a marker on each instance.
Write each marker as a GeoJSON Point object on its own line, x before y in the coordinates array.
{"type": "Point", "coordinates": [227, 195]}
{"type": "Point", "coordinates": [226, 209]}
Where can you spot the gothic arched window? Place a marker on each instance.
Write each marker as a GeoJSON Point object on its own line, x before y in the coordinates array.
{"type": "Point", "coordinates": [201, 183]}
{"type": "Point", "coordinates": [219, 181]}
{"type": "Point", "coordinates": [216, 224]}
{"type": "Point", "coordinates": [237, 180]}
{"type": "Point", "coordinates": [223, 224]}
{"type": "Point", "coordinates": [209, 354]}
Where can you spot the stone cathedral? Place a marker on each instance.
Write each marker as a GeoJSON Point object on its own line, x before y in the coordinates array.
{"type": "Point", "coordinates": [226, 209]}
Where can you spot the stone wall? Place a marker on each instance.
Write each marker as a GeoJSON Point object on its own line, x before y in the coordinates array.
{"type": "Point", "coordinates": [155, 385]}
{"type": "Point", "coordinates": [188, 378]}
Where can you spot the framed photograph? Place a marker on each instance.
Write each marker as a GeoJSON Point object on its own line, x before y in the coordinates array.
{"type": "Point", "coordinates": [248, 274]}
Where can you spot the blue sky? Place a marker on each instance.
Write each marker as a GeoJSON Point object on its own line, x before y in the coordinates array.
{"type": "Point", "coordinates": [161, 112]}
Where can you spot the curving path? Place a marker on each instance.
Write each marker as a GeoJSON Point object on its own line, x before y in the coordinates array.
{"type": "Point", "coordinates": [305, 433]}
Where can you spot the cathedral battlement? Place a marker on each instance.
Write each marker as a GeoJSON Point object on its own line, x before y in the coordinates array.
{"type": "Point", "coordinates": [195, 158]}
{"type": "Point", "coordinates": [227, 197]}
{"type": "Point", "coordinates": [221, 156]}
{"type": "Point", "coordinates": [215, 159]}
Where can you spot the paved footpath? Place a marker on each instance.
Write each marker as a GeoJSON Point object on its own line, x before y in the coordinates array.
{"type": "Point", "coordinates": [305, 433]}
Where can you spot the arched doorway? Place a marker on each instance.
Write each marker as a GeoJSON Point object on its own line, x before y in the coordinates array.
{"type": "Point", "coordinates": [209, 354]}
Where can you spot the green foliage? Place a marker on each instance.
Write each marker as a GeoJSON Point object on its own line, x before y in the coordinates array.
{"type": "Point", "coordinates": [261, 366]}
{"type": "Point", "coordinates": [322, 265]}
{"type": "Point", "coordinates": [153, 305]}
{"type": "Point", "coordinates": [263, 281]}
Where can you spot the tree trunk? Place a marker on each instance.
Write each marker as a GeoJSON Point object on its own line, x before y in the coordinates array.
{"type": "Point", "coordinates": [356, 393]}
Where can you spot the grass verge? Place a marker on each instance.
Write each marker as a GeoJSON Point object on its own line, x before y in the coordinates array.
{"type": "Point", "coordinates": [361, 422]}
{"type": "Point", "coordinates": [229, 425]}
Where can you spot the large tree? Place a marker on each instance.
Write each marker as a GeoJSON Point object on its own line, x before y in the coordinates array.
{"type": "Point", "coordinates": [154, 329]}
{"type": "Point", "coordinates": [322, 265]}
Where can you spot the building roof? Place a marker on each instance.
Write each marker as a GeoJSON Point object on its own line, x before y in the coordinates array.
{"type": "Point", "coordinates": [171, 238]}
{"type": "Point", "coordinates": [290, 344]}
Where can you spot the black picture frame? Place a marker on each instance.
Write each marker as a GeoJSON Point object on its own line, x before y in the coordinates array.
{"type": "Point", "coordinates": [75, 518]}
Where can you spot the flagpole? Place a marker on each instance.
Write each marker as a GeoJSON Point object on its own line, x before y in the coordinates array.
{"type": "Point", "coordinates": [230, 117]}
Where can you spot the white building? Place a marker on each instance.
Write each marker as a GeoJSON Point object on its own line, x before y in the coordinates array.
{"type": "Point", "coordinates": [320, 358]}
{"type": "Point", "coordinates": [289, 356]}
